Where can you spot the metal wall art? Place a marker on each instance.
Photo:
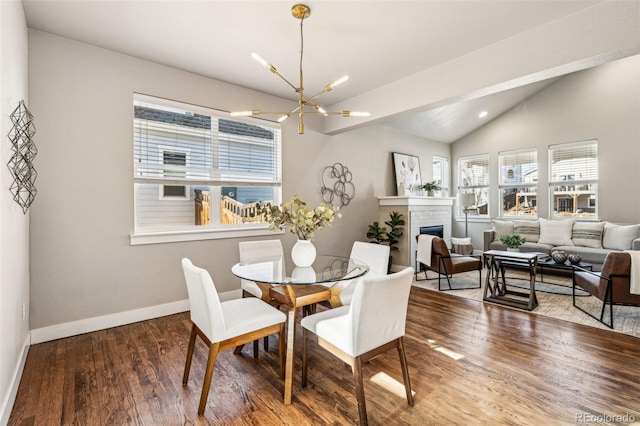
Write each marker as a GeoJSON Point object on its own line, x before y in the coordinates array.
{"type": "Point", "coordinates": [21, 162]}
{"type": "Point", "coordinates": [337, 188]}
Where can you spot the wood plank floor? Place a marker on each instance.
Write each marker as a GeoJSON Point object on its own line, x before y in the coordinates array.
{"type": "Point", "coordinates": [469, 362]}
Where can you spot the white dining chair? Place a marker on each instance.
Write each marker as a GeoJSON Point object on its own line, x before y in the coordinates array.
{"type": "Point", "coordinates": [372, 324]}
{"type": "Point", "coordinates": [375, 256]}
{"type": "Point", "coordinates": [225, 325]}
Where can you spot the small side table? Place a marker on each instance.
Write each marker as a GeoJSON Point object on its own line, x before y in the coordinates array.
{"type": "Point", "coordinates": [495, 289]}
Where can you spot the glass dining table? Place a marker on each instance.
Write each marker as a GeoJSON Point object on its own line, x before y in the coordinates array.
{"type": "Point", "coordinates": [272, 270]}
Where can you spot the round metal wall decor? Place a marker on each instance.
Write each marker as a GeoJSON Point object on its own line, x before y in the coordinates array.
{"type": "Point", "coordinates": [337, 186]}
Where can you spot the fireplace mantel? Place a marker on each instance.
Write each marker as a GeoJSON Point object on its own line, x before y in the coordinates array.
{"type": "Point", "coordinates": [417, 211]}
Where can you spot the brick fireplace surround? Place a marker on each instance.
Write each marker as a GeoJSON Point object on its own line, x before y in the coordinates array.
{"type": "Point", "coordinates": [417, 212]}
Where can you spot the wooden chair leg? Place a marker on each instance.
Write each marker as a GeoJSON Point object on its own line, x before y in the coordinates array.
{"type": "Point", "coordinates": [208, 375]}
{"type": "Point", "coordinates": [281, 350]}
{"type": "Point", "coordinates": [305, 336]}
{"type": "Point", "coordinates": [266, 343]}
{"type": "Point", "coordinates": [256, 347]}
{"type": "Point", "coordinates": [405, 371]}
{"type": "Point", "coordinates": [357, 379]}
{"type": "Point", "coordinates": [187, 364]}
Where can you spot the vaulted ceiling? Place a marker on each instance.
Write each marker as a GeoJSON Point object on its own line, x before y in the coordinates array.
{"type": "Point", "coordinates": [377, 43]}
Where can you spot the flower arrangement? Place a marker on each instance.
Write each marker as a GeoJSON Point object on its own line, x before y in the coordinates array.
{"type": "Point", "coordinates": [298, 218]}
{"type": "Point", "coordinates": [512, 240]}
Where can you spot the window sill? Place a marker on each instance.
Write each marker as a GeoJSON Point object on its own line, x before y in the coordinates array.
{"type": "Point", "coordinates": [474, 219]}
{"type": "Point", "coordinates": [136, 239]}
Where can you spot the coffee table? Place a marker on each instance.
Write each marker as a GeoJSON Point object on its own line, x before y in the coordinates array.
{"type": "Point", "coordinates": [566, 266]}
{"type": "Point", "coordinates": [495, 289]}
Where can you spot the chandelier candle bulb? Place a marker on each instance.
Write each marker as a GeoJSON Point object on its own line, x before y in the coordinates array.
{"type": "Point", "coordinates": [339, 81]}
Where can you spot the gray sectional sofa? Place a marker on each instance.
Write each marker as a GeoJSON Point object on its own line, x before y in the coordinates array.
{"type": "Point", "coordinates": [591, 240]}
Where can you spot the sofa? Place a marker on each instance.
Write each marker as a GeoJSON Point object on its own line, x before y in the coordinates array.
{"type": "Point", "coordinates": [592, 241]}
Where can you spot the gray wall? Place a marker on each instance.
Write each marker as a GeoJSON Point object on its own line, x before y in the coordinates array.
{"type": "Point", "coordinates": [600, 103]}
{"type": "Point", "coordinates": [82, 265]}
{"type": "Point", "coordinates": [14, 225]}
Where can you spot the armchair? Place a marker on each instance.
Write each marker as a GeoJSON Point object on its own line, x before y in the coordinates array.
{"type": "Point", "coordinates": [611, 285]}
{"type": "Point", "coordinates": [444, 264]}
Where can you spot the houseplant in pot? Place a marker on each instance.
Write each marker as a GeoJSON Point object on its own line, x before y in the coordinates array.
{"type": "Point", "coordinates": [380, 235]}
{"type": "Point", "coordinates": [431, 188]}
{"type": "Point", "coordinates": [512, 241]}
{"type": "Point", "coordinates": [302, 220]}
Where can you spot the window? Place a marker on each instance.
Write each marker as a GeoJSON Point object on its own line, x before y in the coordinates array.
{"type": "Point", "coordinates": [473, 177]}
{"type": "Point", "coordinates": [441, 173]}
{"type": "Point", "coordinates": [518, 174]}
{"type": "Point", "coordinates": [573, 179]}
{"type": "Point", "coordinates": [198, 172]}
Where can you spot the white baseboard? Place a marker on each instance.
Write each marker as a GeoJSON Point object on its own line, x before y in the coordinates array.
{"type": "Point", "coordinates": [73, 328]}
{"type": "Point", "coordinates": [10, 397]}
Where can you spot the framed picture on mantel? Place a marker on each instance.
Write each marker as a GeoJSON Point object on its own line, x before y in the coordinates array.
{"type": "Point", "coordinates": [407, 172]}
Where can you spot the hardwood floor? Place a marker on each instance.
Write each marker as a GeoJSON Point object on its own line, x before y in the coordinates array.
{"type": "Point", "coordinates": [469, 362]}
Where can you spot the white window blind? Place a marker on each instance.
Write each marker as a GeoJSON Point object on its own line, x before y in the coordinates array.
{"type": "Point", "coordinates": [575, 162]}
{"type": "Point", "coordinates": [518, 167]}
{"type": "Point", "coordinates": [474, 171]}
{"type": "Point", "coordinates": [222, 151]}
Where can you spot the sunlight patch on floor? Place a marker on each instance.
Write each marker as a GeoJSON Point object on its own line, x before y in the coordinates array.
{"type": "Point", "coordinates": [389, 383]}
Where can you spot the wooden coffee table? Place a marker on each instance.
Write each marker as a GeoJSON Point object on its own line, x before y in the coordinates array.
{"type": "Point", "coordinates": [495, 289]}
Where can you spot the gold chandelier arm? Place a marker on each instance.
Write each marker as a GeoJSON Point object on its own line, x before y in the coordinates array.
{"type": "Point", "coordinates": [273, 69]}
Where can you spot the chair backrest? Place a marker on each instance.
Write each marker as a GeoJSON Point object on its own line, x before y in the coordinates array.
{"type": "Point", "coordinates": [440, 250]}
{"type": "Point", "coordinates": [376, 256]}
{"type": "Point", "coordinates": [204, 303]}
{"type": "Point", "coordinates": [378, 310]}
{"type": "Point", "coordinates": [616, 263]}
{"type": "Point", "coordinates": [255, 250]}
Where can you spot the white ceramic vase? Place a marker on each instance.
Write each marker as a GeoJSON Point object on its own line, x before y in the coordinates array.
{"type": "Point", "coordinates": [303, 253]}
{"type": "Point", "coordinates": [303, 275]}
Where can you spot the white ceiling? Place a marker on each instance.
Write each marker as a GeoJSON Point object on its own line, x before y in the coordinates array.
{"type": "Point", "coordinates": [374, 42]}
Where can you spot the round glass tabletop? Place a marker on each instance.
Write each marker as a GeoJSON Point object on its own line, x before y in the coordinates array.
{"type": "Point", "coordinates": [325, 269]}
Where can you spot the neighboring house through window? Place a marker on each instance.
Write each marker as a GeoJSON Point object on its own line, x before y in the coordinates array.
{"type": "Point", "coordinates": [518, 182]}
{"type": "Point", "coordinates": [199, 173]}
{"type": "Point", "coordinates": [573, 179]}
{"type": "Point", "coordinates": [473, 177]}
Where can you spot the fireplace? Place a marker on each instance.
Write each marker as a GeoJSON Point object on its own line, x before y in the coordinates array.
{"type": "Point", "coordinates": [418, 212]}
{"type": "Point", "coordinates": [436, 230]}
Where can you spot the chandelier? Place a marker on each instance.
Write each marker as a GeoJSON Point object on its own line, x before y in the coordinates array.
{"type": "Point", "coordinates": [301, 12]}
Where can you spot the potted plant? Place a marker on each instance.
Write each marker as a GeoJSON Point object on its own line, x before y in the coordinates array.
{"type": "Point", "coordinates": [512, 241]}
{"type": "Point", "coordinates": [431, 187]}
{"type": "Point", "coordinates": [300, 219]}
{"type": "Point", "coordinates": [379, 235]}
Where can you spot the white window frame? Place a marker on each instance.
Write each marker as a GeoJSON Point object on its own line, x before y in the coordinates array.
{"type": "Point", "coordinates": [503, 185]}
{"type": "Point", "coordinates": [151, 235]}
{"type": "Point", "coordinates": [575, 187]}
{"type": "Point", "coordinates": [477, 188]}
{"type": "Point", "coordinates": [444, 179]}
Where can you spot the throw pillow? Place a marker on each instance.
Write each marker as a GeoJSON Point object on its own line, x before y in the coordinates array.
{"type": "Point", "coordinates": [619, 237]}
{"type": "Point", "coordinates": [528, 229]}
{"type": "Point", "coordinates": [588, 234]}
{"type": "Point", "coordinates": [501, 228]}
{"type": "Point", "coordinates": [556, 232]}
